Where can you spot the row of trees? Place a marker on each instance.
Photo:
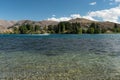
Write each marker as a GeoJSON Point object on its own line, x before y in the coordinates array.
{"type": "Point", "coordinates": [76, 28]}
{"type": "Point", "coordinates": [29, 29]}
{"type": "Point", "coordinates": [64, 28]}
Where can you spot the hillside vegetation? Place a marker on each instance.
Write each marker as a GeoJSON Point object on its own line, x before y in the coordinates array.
{"type": "Point", "coordinates": [73, 26]}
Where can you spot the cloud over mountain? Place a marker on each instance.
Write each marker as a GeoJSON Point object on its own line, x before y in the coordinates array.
{"type": "Point", "coordinates": [73, 16]}
{"type": "Point", "coordinates": [111, 15]}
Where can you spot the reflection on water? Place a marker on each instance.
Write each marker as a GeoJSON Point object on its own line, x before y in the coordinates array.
{"type": "Point", "coordinates": [60, 57]}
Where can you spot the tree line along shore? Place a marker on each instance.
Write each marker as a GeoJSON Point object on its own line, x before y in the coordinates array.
{"type": "Point", "coordinates": [65, 28]}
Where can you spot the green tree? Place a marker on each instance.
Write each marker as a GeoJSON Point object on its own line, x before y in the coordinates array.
{"type": "Point", "coordinates": [37, 28]}
{"type": "Point", "coordinates": [98, 30]}
{"type": "Point", "coordinates": [118, 29]}
{"type": "Point", "coordinates": [45, 28]}
{"type": "Point", "coordinates": [91, 30]}
{"type": "Point", "coordinates": [23, 29]}
{"type": "Point", "coordinates": [63, 27]}
{"type": "Point", "coordinates": [115, 28]}
{"type": "Point", "coordinates": [59, 28]}
{"type": "Point", "coordinates": [15, 30]}
{"type": "Point", "coordinates": [80, 31]}
{"type": "Point", "coordinates": [93, 25]}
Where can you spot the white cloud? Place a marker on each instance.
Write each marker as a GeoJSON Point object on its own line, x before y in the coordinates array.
{"type": "Point", "coordinates": [59, 19]}
{"type": "Point", "coordinates": [73, 16]}
{"type": "Point", "coordinates": [89, 17]}
{"type": "Point", "coordinates": [92, 3]}
{"type": "Point", "coordinates": [112, 14]}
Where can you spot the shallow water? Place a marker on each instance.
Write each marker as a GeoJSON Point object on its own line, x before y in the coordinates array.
{"type": "Point", "coordinates": [60, 57]}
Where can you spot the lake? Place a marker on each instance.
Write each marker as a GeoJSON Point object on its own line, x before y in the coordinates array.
{"type": "Point", "coordinates": [60, 57]}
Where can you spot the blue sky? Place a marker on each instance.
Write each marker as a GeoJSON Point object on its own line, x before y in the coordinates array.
{"type": "Point", "coordinates": [57, 9]}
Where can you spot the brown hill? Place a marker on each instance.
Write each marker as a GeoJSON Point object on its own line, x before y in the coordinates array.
{"type": "Point", "coordinates": [84, 23]}
{"type": "Point", "coordinates": [33, 23]}
{"type": "Point", "coordinates": [81, 20]}
{"type": "Point", "coordinates": [4, 24]}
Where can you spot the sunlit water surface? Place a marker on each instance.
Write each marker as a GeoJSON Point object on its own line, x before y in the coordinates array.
{"type": "Point", "coordinates": [60, 57]}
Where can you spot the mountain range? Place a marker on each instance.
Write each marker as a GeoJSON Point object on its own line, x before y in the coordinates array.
{"type": "Point", "coordinates": [7, 25]}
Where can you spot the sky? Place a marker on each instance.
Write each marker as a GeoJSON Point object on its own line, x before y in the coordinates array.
{"type": "Point", "coordinates": [60, 10]}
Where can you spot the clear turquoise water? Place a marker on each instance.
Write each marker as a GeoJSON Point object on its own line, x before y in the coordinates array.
{"type": "Point", "coordinates": [60, 57]}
